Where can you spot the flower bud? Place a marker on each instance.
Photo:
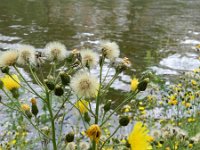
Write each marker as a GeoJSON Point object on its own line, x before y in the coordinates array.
{"type": "Point", "coordinates": [143, 84]}
{"type": "Point", "coordinates": [34, 108]}
{"type": "Point", "coordinates": [58, 91]}
{"type": "Point", "coordinates": [26, 108]}
{"type": "Point", "coordinates": [87, 117]}
{"type": "Point", "coordinates": [5, 70]}
{"type": "Point", "coordinates": [1, 84]}
{"type": "Point", "coordinates": [15, 93]}
{"type": "Point", "coordinates": [49, 84]}
{"type": "Point", "coordinates": [124, 120]}
{"type": "Point", "coordinates": [107, 106]}
{"type": "Point", "coordinates": [65, 78]}
{"type": "Point", "coordinates": [101, 60]}
{"type": "Point", "coordinates": [69, 137]}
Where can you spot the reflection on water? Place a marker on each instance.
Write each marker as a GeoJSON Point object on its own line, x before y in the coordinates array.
{"type": "Point", "coordinates": [148, 31]}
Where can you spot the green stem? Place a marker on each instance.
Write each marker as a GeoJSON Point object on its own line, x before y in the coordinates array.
{"type": "Point", "coordinates": [52, 121]}
{"type": "Point", "coordinates": [27, 82]}
{"type": "Point", "coordinates": [118, 107]}
{"type": "Point", "coordinates": [35, 76]}
{"type": "Point", "coordinates": [79, 113]}
{"type": "Point", "coordinates": [110, 136]}
{"type": "Point", "coordinates": [98, 96]}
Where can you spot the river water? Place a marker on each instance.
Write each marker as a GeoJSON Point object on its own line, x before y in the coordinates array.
{"type": "Point", "coordinates": [155, 34]}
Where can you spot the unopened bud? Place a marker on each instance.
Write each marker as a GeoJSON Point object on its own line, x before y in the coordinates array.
{"type": "Point", "coordinates": [65, 78]}
{"type": "Point", "coordinates": [1, 84]}
{"type": "Point", "coordinates": [49, 84]}
{"type": "Point", "coordinates": [15, 93]}
{"type": "Point", "coordinates": [87, 117]}
{"type": "Point", "coordinates": [124, 120]}
{"type": "Point", "coordinates": [58, 90]}
{"type": "Point", "coordinates": [69, 137]}
{"type": "Point", "coordinates": [107, 106]}
{"type": "Point", "coordinates": [34, 108]}
{"type": "Point", "coordinates": [143, 84]}
{"type": "Point", "coordinates": [26, 108]}
{"type": "Point", "coordinates": [5, 70]}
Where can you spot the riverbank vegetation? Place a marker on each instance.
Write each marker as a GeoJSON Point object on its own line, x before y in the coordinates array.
{"type": "Point", "coordinates": [69, 107]}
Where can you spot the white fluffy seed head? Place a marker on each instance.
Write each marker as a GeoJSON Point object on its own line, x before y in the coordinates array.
{"type": "Point", "coordinates": [110, 49]}
{"type": "Point", "coordinates": [89, 58]}
{"type": "Point", "coordinates": [155, 133]}
{"type": "Point", "coordinates": [26, 54]}
{"type": "Point", "coordinates": [84, 145]}
{"type": "Point", "coordinates": [84, 84]}
{"type": "Point", "coordinates": [55, 51]}
{"type": "Point", "coordinates": [71, 146]}
{"type": "Point", "coordinates": [8, 58]}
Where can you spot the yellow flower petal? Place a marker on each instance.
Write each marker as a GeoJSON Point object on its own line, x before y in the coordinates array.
{"type": "Point", "coordinates": [10, 83]}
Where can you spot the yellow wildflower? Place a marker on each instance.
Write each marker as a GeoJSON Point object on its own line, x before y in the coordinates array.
{"type": "Point", "coordinates": [194, 82]}
{"type": "Point", "coordinates": [141, 108]}
{"type": "Point", "coordinates": [13, 142]}
{"type": "Point", "coordinates": [139, 138]}
{"type": "Point", "coordinates": [187, 105]}
{"type": "Point", "coordinates": [10, 83]}
{"type": "Point", "coordinates": [196, 70]}
{"type": "Point", "coordinates": [94, 132]}
{"type": "Point", "coordinates": [167, 148]}
{"type": "Point", "coordinates": [82, 105]}
{"type": "Point", "coordinates": [25, 107]}
{"type": "Point", "coordinates": [134, 84]}
{"type": "Point", "coordinates": [190, 145]}
{"type": "Point", "coordinates": [108, 148]}
{"type": "Point", "coordinates": [173, 100]}
{"type": "Point", "coordinates": [191, 119]}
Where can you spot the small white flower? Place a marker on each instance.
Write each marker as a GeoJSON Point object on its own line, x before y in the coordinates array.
{"type": "Point", "coordinates": [55, 51]}
{"type": "Point", "coordinates": [84, 84]}
{"type": "Point", "coordinates": [196, 138]}
{"type": "Point", "coordinates": [8, 58]}
{"type": "Point", "coordinates": [89, 58]}
{"type": "Point", "coordinates": [26, 54]}
{"type": "Point", "coordinates": [71, 146]}
{"type": "Point", "coordinates": [155, 133]}
{"type": "Point", "coordinates": [110, 49]}
{"type": "Point", "coordinates": [84, 145]}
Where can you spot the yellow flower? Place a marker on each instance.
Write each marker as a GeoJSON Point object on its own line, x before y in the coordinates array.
{"type": "Point", "coordinates": [134, 84]}
{"type": "Point", "coordinates": [139, 138]}
{"type": "Point", "coordinates": [25, 107]}
{"type": "Point", "coordinates": [94, 132]}
{"type": "Point", "coordinates": [82, 105]}
{"type": "Point", "coordinates": [191, 119]}
{"type": "Point", "coordinates": [10, 83]}
{"type": "Point", "coordinates": [173, 100]}
{"type": "Point", "coordinates": [194, 82]}
{"type": "Point", "coordinates": [108, 148]}
{"type": "Point", "coordinates": [190, 145]}
{"type": "Point", "coordinates": [141, 108]}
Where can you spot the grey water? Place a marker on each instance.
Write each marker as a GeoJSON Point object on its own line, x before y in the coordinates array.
{"type": "Point", "coordinates": [155, 34]}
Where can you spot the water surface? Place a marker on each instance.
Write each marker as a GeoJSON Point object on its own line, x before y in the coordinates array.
{"type": "Point", "coordinates": [149, 32]}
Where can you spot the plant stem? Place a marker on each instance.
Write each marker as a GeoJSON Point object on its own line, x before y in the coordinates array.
{"type": "Point", "coordinates": [52, 121]}
{"type": "Point", "coordinates": [118, 107]}
{"type": "Point", "coordinates": [110, 136]}
{"type": "Point", "coordinates": [98, 96]}
{"type": "Point", "coordinates": [27, 82]}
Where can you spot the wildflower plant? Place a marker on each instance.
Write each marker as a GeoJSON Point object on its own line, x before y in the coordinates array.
{"type": "Point", "coordinates": [69, 84]}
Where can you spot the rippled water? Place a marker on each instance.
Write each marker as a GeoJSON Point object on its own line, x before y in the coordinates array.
{"type": "Point", "coordinates": [160, 35]}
